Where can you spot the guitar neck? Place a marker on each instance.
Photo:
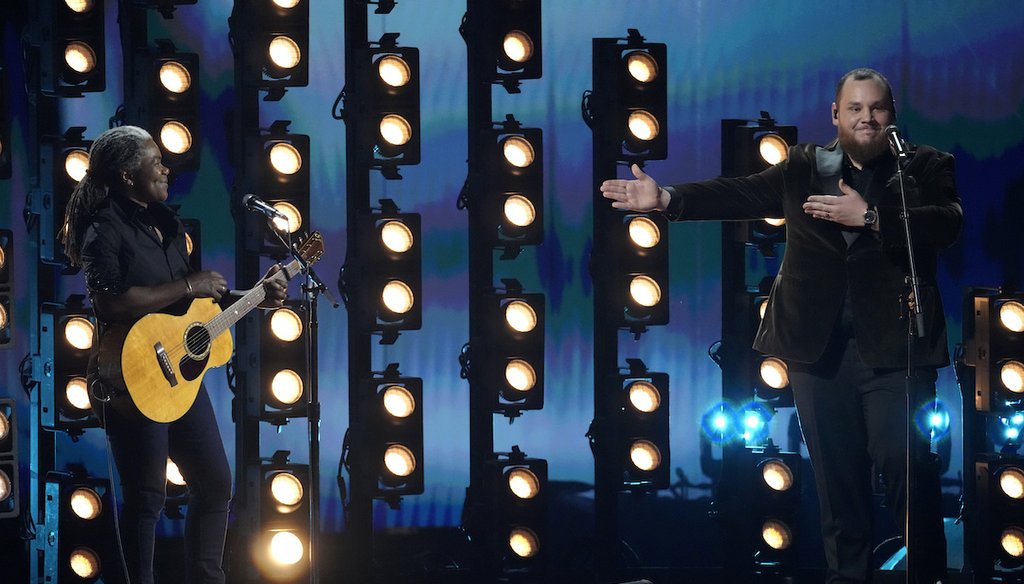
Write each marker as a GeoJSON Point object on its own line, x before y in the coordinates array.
{"type": "Point", "coordinates": [248, 301]}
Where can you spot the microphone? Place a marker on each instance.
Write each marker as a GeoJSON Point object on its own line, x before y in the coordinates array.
{"type": "Point", "coordinates": [896, 143]}
{"type": "Point", "coordinates": [254, 203]}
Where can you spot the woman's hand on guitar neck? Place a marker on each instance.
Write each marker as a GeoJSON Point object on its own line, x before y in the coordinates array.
{"type": "Point", "coordinates": [206, 284]}
{"type": "Point", "coordinates": [276, 288]}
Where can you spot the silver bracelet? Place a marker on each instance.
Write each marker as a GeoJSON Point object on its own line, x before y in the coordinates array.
{"type": "Point", "coordinates": [188, 293]}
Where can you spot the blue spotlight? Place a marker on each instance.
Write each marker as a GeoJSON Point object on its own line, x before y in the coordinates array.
{"type": "Point", "coordinates": [933, 420]}
{"type": "Point", "coordinates": [719, 423]}
{"type": "Point", "coordinates": [755, 417]}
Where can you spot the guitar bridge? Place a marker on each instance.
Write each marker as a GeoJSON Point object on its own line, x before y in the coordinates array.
{"type": "Point", "coordinates": [165, 364]}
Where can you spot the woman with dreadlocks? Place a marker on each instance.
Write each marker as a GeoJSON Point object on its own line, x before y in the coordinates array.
{"type": "Point", "coordinates": [132, 249]}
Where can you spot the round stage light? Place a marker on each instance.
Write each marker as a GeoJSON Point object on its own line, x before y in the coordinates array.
{"type": "Point", "coordinates": [644, 396]}
{"type": "Point", "coordinates": [774, 373]}
{"type": "Point", "coordinates": [524, 542]}
{"type": "Point", "coordinates": [78, 332]}
{"type": "Point", "coordinates": [80, 57]}
{"type": "Point", "coordinates": [523, 483]}
{"type": "Point", "coordinates": [286, 489]}
{"type": "Point", "coordinates": [86, 503]}
{"type": "Point", "coordinates": [642, 66]}
{"type": "Point", "coordinates": [520, 316]}
{"type": "Point", "coordinates": [77, 393]}
{"type": "Point", "coordinates": [76, 163]}
{"type": "Point", "coordinates": [643, 125]}
{"type": "Point", "coordinates": [393, 70]}
{"type": "Point", "coordinates": [518, 46]}
{"type": "Point", "coordinates": [285, 158]}
{"type": "Point", "coordinates": [284, 52]}
{"type": "Point", "coordinates": [398, 401]}
{"type": "Point", "coordinates": [518, 151]}
{"type": "Point", "coordinates": [520, 375]}
{"type": "Point", "coordinates": [645, 455]}
{"type": "Point", "coordinates": [397, 297]}
{"type": "Point", "coordinates": [396, 236]}
{"type": "Point", "coordinates": [175, 137]}
{"type": "Point", "coordinates": [175, 77]}
{"type": "Point", "coordinates": [399, 460]}
{"type": "Point", "coordinates": [286, 387]}
{"type": "Point", "coordinates": [644, 291]}
{"type": "Point", "coordinates": [286, 325]}
{"type": "Point", "coordinates": [777, 475]}
{"type": "Point", "coordinates": [644, 232]}
{"type": "Point", "coordinates": [772, 148]}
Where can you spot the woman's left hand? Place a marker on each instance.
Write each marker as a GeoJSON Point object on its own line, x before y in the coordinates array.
{"type": "Point", "coordinates": [276, 288]}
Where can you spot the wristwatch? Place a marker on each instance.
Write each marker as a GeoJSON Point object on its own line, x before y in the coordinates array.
{"type": "Point", "coordinates": [870, 217]}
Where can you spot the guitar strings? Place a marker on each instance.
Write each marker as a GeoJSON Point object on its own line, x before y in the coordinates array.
{"type": "Point", "coordinates": [193, 345]}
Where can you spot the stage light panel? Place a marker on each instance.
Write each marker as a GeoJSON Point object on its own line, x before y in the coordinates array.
{"type": "Point", "coordinates": [629, 102]}
{"type": "Point", "coordinates": [72, 56]}
{"type": "Point", "coordinates": [643, 440]}
{"type": "Point", "coordinates": [63, 161]}
{"type": "Point", "coordinates": [5, 126]}
{"type": "Point", "coordinates": [6, 286]}
{"type": "Point", "coordinates": [165, 101]}
{"type": "Point", "coordinates": [394, 101]}
{"type": "Point", "coordinates": [514, 40]}
{"type": "Point", "coordinates": [281, 160]}
{"type": "Point", "coordinates": [194, 243]}
{"type": "Point", "coordinates": [994, 346]}
{"type": "Point", "coordinates": [513, 185]}
{"type": "Point", "coordinates": [511, 365]}
{"type": "Point", "coordinates": [394, 418]}
{"type": "Point", "coordinates": [79, 512]}
{"type": "Point", "coordinates": [513, 518]}
{"type": "Point", "coordinates": [388, 278]}
{"type": "Point", "coordinates": [281, 551]}
{"type": "Point", "coordinates": [10, 498]}
{"type": "Point", "coordinates": [276, 40]}
{"type": "Point", "coordinates": [283, 369]}
{"type": "Point", "coordinates": [66, 340]}
{"type": "Point", "coordinates": [998, 529]}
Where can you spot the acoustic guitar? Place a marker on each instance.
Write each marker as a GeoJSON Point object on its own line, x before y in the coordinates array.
{"type": "Point", "coordinates": [159, 361]}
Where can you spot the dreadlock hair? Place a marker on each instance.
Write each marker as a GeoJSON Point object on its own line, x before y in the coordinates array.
{"type": "Point", "coordinates": [115, 151]}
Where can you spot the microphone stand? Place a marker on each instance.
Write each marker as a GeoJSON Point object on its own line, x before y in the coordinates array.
{"type": "Point", "coordinates": [915, 331]}
{"type": "Point", "coordinates": [312, 288]}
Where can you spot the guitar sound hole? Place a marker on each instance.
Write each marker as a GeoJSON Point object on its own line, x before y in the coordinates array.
{"type": "Point", "coordinates": [197, 342]}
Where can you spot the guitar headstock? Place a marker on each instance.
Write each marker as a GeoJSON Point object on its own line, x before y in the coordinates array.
{"type": "Point", "coordinates": [312, 248]}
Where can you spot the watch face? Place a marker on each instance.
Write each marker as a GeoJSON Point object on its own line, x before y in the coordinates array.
{"type": "Point", "coordinates": [870, 217]}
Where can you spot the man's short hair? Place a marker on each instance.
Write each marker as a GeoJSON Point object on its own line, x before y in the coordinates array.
{"type": "Point", "coordinates": [862, 73]}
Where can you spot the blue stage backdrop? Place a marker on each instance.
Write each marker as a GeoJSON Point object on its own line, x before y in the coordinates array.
{"type": "Point", "coordinates": [957, 69]}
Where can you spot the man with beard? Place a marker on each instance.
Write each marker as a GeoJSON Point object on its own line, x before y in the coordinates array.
{"type": "Point", "coordinates": [838, 310]}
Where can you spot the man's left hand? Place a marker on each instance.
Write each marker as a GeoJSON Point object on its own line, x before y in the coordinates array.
{"type": "Point", "coordinates": [276, 288]}
{"type": "Point", "coordinates": [845, 210]}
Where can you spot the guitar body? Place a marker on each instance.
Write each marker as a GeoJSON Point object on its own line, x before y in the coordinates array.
{"type": "Point", "coordinates": [161, 359]}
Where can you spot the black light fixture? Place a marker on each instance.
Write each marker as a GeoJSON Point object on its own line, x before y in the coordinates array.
{"type": "Point", "coordinates": [194, 243]}
{"type": "Point", "coordinates": [514, 41]}
{"type": "Point", "coordinates": [166, 102]}
{"type": "Point", "coordinates": [71, 45]}
{"type": "Point", "coordinates": [394, 101]}
{"type": "Point", "coordinates": [630, 97]}
{"type": "Point", "coordinates": [277, 55]}
{"type": "Point", "coordinates": [10, 500]}
{"type": "Point", "coordinates": [511, 361]}
{"type": "Point", "coordinates": [994, 346]}
{"type": "Point", "coordinates": [282, 161]}
{"type": "Point", "coordinates": [758, 498]}
{"type": "Point", "coordinates": [394, 423]}
{"type": "Point", "coordinates": [749, 147]}
{"type": "Point", "coordinates": [776, 504]}
{"type": "Point", "coordinates": [386, 283]}
{"type": "Point", "coordinates": [284, 379]}
{"type": "Point", "coordinates": [63, 161]}
{"type": "Point", "coordinates": [5, 126]}
{"type": "Point", "coordinates": [6, 304]}
{"type": "Point", "coordinates": [642, 446]}
{"type": "Point", "coordinates": [282, 548]}
{"type": "Point", "coordinates": [67, 332]}
{"type": "Point", "coordinates": [638, 257]}
{"type": "Point", "coordinates": [79, 511]}
{"type": "Point", "coordinates": [997, 539]}
{"type": "Point", "coordinates": [513, 179]}
{"type": "Point", "coordinates": [515, 499]}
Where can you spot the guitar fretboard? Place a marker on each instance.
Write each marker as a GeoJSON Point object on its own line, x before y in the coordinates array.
{"type": "Point", "coordinates": [246, 303]}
